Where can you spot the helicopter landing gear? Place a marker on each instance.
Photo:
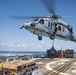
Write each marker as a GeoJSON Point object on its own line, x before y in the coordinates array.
{"type": "Point", "coordinates": [52, 37]}
{"type": "Point", "coordinates": [39, 37]}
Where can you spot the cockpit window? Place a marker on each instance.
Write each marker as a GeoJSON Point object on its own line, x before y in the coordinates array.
{"type": "Point", "coordinates": [36, 19]}
{"type": "Point", "coordinates": [41, 21]}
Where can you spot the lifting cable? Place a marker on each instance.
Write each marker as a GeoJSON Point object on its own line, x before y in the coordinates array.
{"type": "Point", "coordinates": [53, 43]}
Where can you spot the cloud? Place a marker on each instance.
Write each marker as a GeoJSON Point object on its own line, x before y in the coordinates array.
{"type": "Point", "coordinates": [11, 45]}
{"type": "Point", "coordinates": [2, 44]}
{"type": "Point", "coordinates": [39, 45]}
{"type": "Point", "coordinates": [24, 45]}
{"type": "Point", "coordinates": [21, 45]}
{"type": "Point", "coordinates": [42, 42]}
{"type": "Point", "coordinates": [58, 47]}
{"type": "Point", "coordinates": [14, 44]}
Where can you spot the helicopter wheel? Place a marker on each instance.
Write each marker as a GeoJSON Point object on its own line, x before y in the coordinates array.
{"type": "Point", "coordinates": [39, 37]}
{"type": "Point", "coordinates": [52, 37]}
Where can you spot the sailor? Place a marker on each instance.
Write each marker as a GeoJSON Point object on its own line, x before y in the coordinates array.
{"type": "Point", "coordinates": [53, 52]}
{"type": "Point", "coordinates": [55, 30]}
{"type": "Point", "coordinates": [36, 72]}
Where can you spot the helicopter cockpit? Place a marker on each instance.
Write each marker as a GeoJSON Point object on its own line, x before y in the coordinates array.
{"type": "Point", "coordinates": [36, 20]}
{"type": "Point", "coordinates": [41, 21]}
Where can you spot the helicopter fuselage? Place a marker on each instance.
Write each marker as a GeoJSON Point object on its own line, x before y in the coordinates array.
{"type": "Point", "coordinates": [50, 28]}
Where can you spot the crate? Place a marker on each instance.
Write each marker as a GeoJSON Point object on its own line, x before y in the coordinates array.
{"type": "Point", "coordinates": [69, 53]}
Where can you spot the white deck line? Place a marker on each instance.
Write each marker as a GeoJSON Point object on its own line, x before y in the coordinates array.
{"type": "Point", "coordinates": [64, 74]}
{"type": "Point", "coordinates": [48, 66]}
{"type": "Point", "coordinates": [74, 71]}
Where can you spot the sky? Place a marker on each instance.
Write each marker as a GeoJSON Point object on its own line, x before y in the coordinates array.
{"type": "Point", "coordinates": [14, 39]}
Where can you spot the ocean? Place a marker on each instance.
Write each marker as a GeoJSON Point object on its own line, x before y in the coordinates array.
{"type": "Point", "coordinates": [5, 54]}
{"type": "Point", "coordinates": [20, 53]}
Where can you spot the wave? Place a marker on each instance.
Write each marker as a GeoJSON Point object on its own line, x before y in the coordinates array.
{"type": "Point", "coordinates": [21, 53]}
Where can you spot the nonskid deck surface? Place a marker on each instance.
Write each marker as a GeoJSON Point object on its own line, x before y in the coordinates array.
{"type": "Point", "coordinates": [57, 66]}
{"type": "Point", "coordinates": [47, 66]}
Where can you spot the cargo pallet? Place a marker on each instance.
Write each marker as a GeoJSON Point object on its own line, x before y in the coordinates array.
{"type": "Point", "coordinates": [17, 67]}
{"type": "Point", "coordinates": [61, 54]}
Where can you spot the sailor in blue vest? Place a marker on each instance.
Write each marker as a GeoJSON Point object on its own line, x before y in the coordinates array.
{"type": "Point", "coordinates": [53, 52]}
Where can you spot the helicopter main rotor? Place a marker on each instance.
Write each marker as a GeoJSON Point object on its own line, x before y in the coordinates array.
{"type": "Point", "coordinates": [50, 6]}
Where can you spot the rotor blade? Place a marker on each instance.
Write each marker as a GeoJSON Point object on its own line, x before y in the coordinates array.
{"type": "Point", "coordinates": [50, 5]}
{"type": "Point", "coordinates": [67, 16]}
{"type": "Point", "coordinates": [26, 17]}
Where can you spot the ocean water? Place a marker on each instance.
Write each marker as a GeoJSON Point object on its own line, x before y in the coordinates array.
{"type": "Point", "coordinates": [75, 54]}
{"type": "Point", "coordinates": [5, 54]}
{"type": "Point", "coordinates": [21, 53]}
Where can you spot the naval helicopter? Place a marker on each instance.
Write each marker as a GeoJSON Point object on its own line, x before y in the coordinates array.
{"type": "Point", "coordinates": [50, 26]}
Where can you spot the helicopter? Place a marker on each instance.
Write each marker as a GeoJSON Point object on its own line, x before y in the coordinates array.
{"type": "Point", "coordinates": [50, 26]}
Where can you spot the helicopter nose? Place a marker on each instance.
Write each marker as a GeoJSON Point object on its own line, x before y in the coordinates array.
{"type": "Point", "coordinates": [33, 25]}
{"type": "Point", "coordinates": [26, 25]}
{"type": "Point", "coordinates": [21, 26]}
{"type": "Point", "coordinates": [30, 24]}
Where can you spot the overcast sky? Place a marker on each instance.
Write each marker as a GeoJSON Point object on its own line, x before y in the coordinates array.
{"type": "Point", "coordinates": [14, 39]}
